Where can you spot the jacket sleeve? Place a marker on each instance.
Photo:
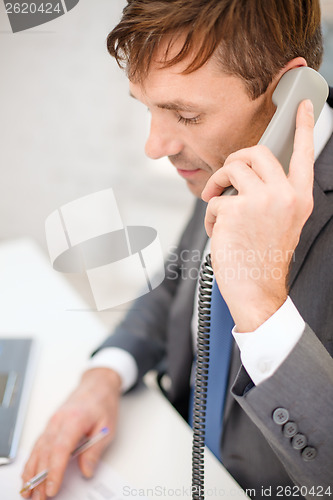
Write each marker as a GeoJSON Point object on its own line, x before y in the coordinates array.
{"type": "Point", "coordinates": [297, 399]}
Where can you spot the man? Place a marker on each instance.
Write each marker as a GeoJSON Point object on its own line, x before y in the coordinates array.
{"type": "Point", "coordinates": [207, 70]}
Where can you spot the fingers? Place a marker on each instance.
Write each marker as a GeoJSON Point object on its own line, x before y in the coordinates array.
{"type": "Point", "coordinates": [89, 459]}
{"type": "Point", "coordinates": [215, 208]}
{"type": "Point", "coordinates": [53, 454]}
{"type": "Point", "coordinates": [301, 164]}
{"type": "Point", "coordinates": [247, 170]}
{"type": "Point", "coordinates": [236, 173]}
{"type": "Point", "coordinates": [52, 451]}
{"type": "Point", "coordinates": [55, 458]}
{"type": "Point", "coordinates": [29, 470]}
{"type": "Point", "coordinates": [36, 464]}
{"type": "Point", "coordinates": [93, 406]}
{"type": "Point", "coordinates": [262, 162]}
{"type": "Point", "coordinates": [63, 443]}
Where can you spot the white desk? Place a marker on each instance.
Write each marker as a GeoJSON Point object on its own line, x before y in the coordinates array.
{"type": "Point", "coordinates": [152, 450]}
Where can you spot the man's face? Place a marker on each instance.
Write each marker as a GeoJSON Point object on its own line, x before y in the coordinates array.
{"type": "Point", "coordinates": [198, 119]}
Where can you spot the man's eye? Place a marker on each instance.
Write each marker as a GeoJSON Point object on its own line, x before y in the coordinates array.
{"type": "Point", "coordinates": [188, 121]}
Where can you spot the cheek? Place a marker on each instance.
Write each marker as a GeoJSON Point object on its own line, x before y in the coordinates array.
{"type": "Point", "coordinates": [223, 136]}
{"type": "Point", "coordinates": [213, 150]}
{"type": "Point", "coordinates": [215, 140]}
{"type": "Point", "coordinates": [209, 147]}
{"type": "Point", "coordinates": [222, 142]}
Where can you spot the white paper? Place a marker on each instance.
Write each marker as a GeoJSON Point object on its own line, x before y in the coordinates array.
{"type": "Point", "coordinates": [105, 485]}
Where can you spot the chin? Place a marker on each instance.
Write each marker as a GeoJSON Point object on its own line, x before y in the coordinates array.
{"type": "Point", "coordinates": [195, 189]}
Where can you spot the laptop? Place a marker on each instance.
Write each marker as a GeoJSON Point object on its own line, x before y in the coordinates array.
{"type": "Point", "coordinates": [16, 367]}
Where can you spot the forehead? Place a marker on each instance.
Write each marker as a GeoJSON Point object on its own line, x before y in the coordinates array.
{"type": "Point", "coordinates": [204, 85]}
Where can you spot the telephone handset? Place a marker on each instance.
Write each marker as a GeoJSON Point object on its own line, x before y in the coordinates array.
{"type": "Point", "coordinates": [294, 86]}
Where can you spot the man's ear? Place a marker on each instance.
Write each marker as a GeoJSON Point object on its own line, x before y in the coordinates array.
{"type": "Point", "coordinates": [298, 62]}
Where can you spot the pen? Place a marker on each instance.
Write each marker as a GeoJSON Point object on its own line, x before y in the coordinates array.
{"type": "Point", "coordinates": [41, 476]}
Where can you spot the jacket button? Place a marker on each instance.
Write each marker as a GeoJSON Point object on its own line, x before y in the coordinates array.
{"type": "Point", "coordinates": [290, 429]}
{"type": "Point", "coordinates": [299, 441]}
{"type": "Point", "coordinates": [280, 416]}
{"type": "Point", "coordinates": [309, 453]}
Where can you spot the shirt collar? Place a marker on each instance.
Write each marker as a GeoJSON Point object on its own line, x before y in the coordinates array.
{"type": "Point", "coordinates": [323, 129]}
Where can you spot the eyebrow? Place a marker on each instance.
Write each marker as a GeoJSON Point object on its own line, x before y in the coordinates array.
{"type": "Point", "coordinates": [177, 105]}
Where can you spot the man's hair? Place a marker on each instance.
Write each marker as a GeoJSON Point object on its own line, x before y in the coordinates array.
{"type": "Point", "coordinates": [252, 39]}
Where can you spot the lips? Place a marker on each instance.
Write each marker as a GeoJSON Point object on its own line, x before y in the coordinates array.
{"type": "Point", "coordinates": [188, 173]}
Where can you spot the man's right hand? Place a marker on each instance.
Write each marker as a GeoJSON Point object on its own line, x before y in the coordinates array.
{"type": "Point", "coordinates": [92, 406]}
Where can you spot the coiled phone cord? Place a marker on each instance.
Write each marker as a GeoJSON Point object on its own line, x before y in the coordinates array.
{"type": "Point", "coordinates": [201, 379]}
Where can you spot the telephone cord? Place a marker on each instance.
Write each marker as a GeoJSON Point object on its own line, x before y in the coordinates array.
{"type": "Point", "coordinates": [201, 379]}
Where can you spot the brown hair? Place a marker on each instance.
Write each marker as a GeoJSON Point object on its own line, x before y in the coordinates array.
{"type": "Point", "coordinates": [252, 39]}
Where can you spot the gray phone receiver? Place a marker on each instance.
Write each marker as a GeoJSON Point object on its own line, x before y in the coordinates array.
{"type": "Point", "coordinates": [295, 85]}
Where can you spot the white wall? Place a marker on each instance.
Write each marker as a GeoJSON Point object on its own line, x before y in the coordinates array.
{"type": "Point", "coordinates": [69, 128]}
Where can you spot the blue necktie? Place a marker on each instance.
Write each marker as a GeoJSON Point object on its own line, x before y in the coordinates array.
{"type": "Point", "coordinates": [221, 325]}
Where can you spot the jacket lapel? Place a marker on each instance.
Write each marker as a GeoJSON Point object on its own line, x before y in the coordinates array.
{"type": "Point", "coordinates": [322, 212]}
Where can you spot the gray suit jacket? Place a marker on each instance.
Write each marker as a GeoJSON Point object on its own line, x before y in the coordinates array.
{"type": "Point", "coordinates": [156, 331]}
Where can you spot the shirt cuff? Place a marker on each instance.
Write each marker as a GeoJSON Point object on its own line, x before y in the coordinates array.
{"type": "Point", "coordinates": [265, 349]}
{"type": "Point", "coordinates": [118, 360]}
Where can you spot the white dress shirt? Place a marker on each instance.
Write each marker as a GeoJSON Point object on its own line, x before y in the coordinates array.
{"type": "Point", "coordinates": [263, 350]}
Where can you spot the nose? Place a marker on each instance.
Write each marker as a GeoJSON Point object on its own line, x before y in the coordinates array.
{"type": "Point", "coordinates": [162, 140]}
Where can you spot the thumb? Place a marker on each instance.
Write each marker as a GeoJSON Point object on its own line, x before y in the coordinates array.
{"type": "Point", "coordinates": [89, 459]}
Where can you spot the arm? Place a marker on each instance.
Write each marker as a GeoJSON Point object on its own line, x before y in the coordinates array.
{"type": "Point", "coordinates": [303, 385]}
{"type": "Point", "coordinates": [269, 213]}
{"type": "Point", "coordinates": [94, 404]}
{"type": "Point", "coordinates": [143, 331]}
{"type": "Point", "coordinates": [303, 381]}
